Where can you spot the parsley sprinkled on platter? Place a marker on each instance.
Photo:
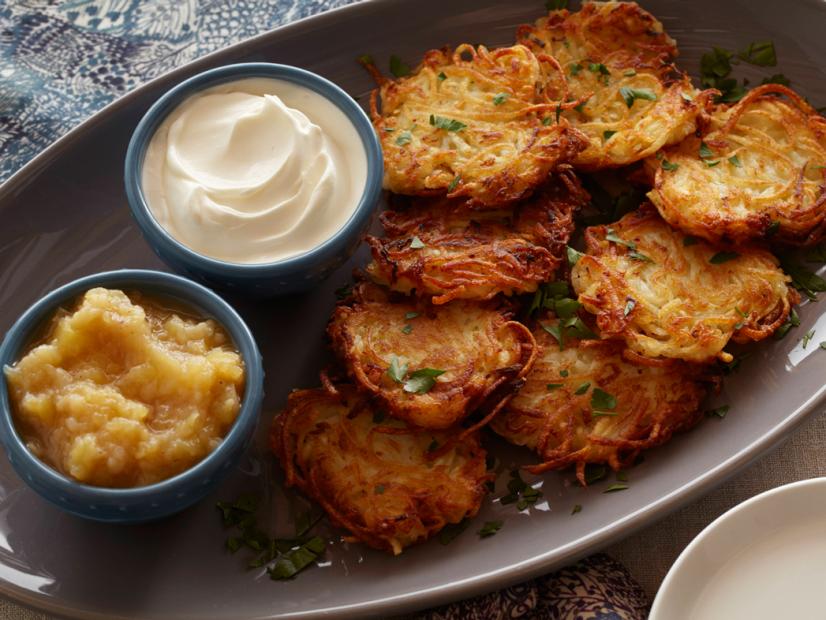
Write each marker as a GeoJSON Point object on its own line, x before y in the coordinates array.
{"type": "Point", "coordinates": [761, 54]}
{"type": "Point", "coordinates": [777, 78]}
{"type": "Point", "coordinates": [553, 386]}
{"type": "Point", "coordinates": [500, 98]}
{"type": "Point", "coordinates": [448, 124]}
{"type": "Point", "coordinates": [807, 337]}
{"type": "Point", "coordinates": [563, 372]}
{"type": "Point", "coordinates": [613, 238]}
{"type": "Point", "coordinates": [547, 120]}
{"type": "Point", "coordinates": [803, 280]}
{"type": "Point", "coordinates": [452, 530]}
{"type": "Point", "coordinates": [735, 161]}
{"type": "Point", "coordinates": [396, 370]}
{"type": "Point", "coordinates": [576, 68]}
{"type": "Point", "coordinates": [667, 165]}
{"type": "Point", "coordinates": [433, 446]}
{"type": "Point", "coordinates": [573, 255]}
{"type": "Point", "coordinates": [630, 73]}
{"type": "Point", "coordinates": [619, 486]}
{"type": "Point", "coordinates": [416, 243]}
{"type": "Point", "coordinates": [595, 472]}
{"type": "Point", "coordinates": [454, 183]}
{"type": "Point", "coordinates": [723, 257]}
{"type": "Point", "coordinates": [365, 59]}
{"type": "Point", "coordinates": [397, 67]}
{"type": "Point", "coordinates": [407, 329]}
{"type": "Point", "coordinates": [622, 476]}
{"type": "Point", "coordinates": [606, 135]}
{"type": "Point", "coordinates": [284, 558]}
{"type": "Point", "coordinates": [410, 315]}
{"type": "Point", "coordinates": [422, 381]}
{"type": "Point", "coordinates": [343, 292]}
{"type": "Point", "coordinates": [556, 5]}
{"type": "Point", "coordinates": [716, 68]}
{"type": "Point", "coordinates": [792, 321]}
{"type": "Point", "coordinates": [490, 528]}
{"type": "Point", "coordinates": [719, 412]}
{"type": "Point", "coordinates": [632, 94]}
{"type": "Point", "coordinates": [705, 151]}
{"type": "Point", "coordinates": [634, 255]}
{"type": "Point", "coordinates": [520, 492]}
{"type": "Point", "coordinates": [442, 77]}
{"type": "Point", "coordinates": [822, 345]}
{"type": "Point", "coordinates": [404, 138]}
{"type": "Point", "coordinates": [576, 509]}
{"type": "Point", "coordinates": [602, 400]}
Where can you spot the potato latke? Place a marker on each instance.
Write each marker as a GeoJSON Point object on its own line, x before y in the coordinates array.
{"type": "Point", "coordinates": [388, 485]}
{"type": "Point", "coordinates": [469, 123]}
{"type": "Point", "coordinates": [758, 171]}
{"type": "Point", "coordinates": [479, 353]}
{"type": "Point", "coordinates": [617, 60]}
{"type": "Point", "coordinates": [446, 251]}
{"type": "Point", "coordinates": [566, 420]}
{"type": "Point", "coordinates": [671, 296]}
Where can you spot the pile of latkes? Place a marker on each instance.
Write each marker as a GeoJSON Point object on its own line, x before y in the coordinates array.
{"type": "Point", "coordinates": [475, 312]}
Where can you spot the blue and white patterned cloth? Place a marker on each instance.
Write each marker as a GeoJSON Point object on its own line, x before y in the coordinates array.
{"type": "Point", "coordinates": [62, 60]}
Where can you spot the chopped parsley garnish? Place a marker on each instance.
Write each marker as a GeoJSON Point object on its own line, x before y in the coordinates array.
{"type": "Point", "coordinates": [803, 280]}
{"type": "Point", "coordinates": [710, 164]}
{"type": "Point", "coordinates": [556, 5]}
{"type": "Point", "coordinates": [520, 492]}
{"type": "Point", "coordinates": [580, 107]}
{"type": "Point", "coordinates": [613, 238]}
{"type": "Point", "coordinates": [448, 124]}
{"type": "Point", "coordinates": [817, 254]}
{"type": "Point", "coordinates": [563, 372]}
{"type": "Point", "coordinates": [771, 231]}
{"type": "Point", "coordinates": [629, 306]}
{"type": "Point", "coordinates": [632, 94]}
{"type": "Point", "coordinates": [582, 388]}
{"type": "Point", "coordinates": [634, 255]}
{"type": "Point", "coordinates": [622, 476]}
{"type": "Point", "coordinates": [421, 381]}
{"type": "Point", "coordinates": [416, 243]}
{"type": "Point", "coordinates": [686, 96]}
{"type": "Point", "coordinates": [284, 558]}
{"type": "Point", "coordinates": [595, 472]}
{"type": "Point", "coordinates": [630, 73]}
{"type": "Point", "coordinates": [760, 53]}
{"type": "Point", "coordinates": [397, 67]}
{"type": "Point", "coordinates": [576, 68]}
{"type": "Point", "coordinates": [366, 59]}
{"type": "Point", "coordinates": [667, 165]}
{"type": "Point", "coordinates": [410, 315]}
{"type": "Point", "coordinates": [558, 112]}
{"type": "Point", "coordinates": [554, 386]}
{"type": "Point", "coordinates": [606, 135]}
{"type": "Point", "coordinates": [452, 530]}
{"type": "Point", "coordinates": [343, 292]}
{"type": "Point", "coordinates": [600, 399]}
{"type": "Point", "coordinates": [723, 257]}
{"type": "Point", "coordinates": [619, 486]}
{"type": "Point", "coordinates": [433, 446]}
{"type": "Point", "coordinates": [689, 240]}
{"type": "Point", "coordinates": [735, 161]}
{"type": "Point", "coordinates": [777, 78]}
{"type": "Point", "coordinates": [500, 98]}
{"type": "Point", "coordinates": [577, 508]}
{"type": "Point", "coordinates": [705, 151]}
{"type": "Point", "coordinates": [807, 338]}
{"type": "Point", "coordinates": [792, 321]}
{"type": "Point", "coordinates": [573, 255]}
{"type": "Point", "coordinates": [719, 412]}
{"type": "Point", "coordinates": [822, 345]}
{"type": "Point", "coordinates": [379, 489]}
{"type": "Point", "coordinates": [547, 120]}
{"type": "Point", "coordinates": [490, 528]}
{"type": "Point", "coordinates": [407, 329]}
{"type": "Point", "coordinates": [404, 138]}
{"type": "Point", "coordinates": [601, 70]}
{"type": "Point", "coordinates": [454, 183]}
{"type": "Point", "coordinates": [397, 371]}
{"type": "Point", "coordinates": [442, 77]}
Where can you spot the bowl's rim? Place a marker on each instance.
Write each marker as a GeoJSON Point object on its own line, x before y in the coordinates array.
{"type": "Point", "coordinates": [171, 99]}
{"type": "Point", "coordinates": [201, 299]}
{"type": "Point", "coordinates": [736, 513]}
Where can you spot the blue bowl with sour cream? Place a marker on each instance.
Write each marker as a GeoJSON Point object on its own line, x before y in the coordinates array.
{"type": "Point", "coordinates": [260, 178]}
{"type": "Point", "coordinates": [154, 501]}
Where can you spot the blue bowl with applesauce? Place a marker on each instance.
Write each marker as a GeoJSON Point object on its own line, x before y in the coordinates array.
{"type": "Point", "coordinates": [213, 189]}
{"type": "Point", "coordinates": [153, 501]}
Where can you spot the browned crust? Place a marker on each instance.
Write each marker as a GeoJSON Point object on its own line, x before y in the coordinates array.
{"type": "Point", "coordinates": [472, 386]}
{"type": "Point", "coordinates": [418, 497]}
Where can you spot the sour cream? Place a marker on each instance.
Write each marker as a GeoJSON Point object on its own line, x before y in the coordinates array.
{"type": "Point", "coordinates": [254, 171]}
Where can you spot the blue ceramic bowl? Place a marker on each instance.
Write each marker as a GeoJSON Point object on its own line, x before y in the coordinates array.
{"type": "Point", "coordinates": [294, 274]}
{"type": "Point", "coordinates": [153, 501]}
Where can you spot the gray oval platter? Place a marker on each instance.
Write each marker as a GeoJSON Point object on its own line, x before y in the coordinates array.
{"type": "Point", "coordinates": [65, 215]}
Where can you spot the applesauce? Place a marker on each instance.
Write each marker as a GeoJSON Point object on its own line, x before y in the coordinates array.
{"type": "Point", "coordinates": [123, 391]}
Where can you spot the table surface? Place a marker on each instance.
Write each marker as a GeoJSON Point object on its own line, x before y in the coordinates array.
{"type": "Point", "coordinates": [650, 552]}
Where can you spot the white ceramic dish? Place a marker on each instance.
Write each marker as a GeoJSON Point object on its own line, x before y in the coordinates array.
{"type": "Point", "coordinates": [65, 215]}
{"type": "Point", "coordinates": [762, 560]}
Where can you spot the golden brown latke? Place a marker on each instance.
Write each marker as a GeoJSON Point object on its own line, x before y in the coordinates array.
{"type": "Point", "coordinates": [616, 55]}
{"type": "Point", "coordinates": [675, 298]}
{"type": "Point", "coordinates": [469, 123]}
{"type": "Point", "coordinates": [388, 485]}
{"type": "Point", "coordinates": [762, 173]}
{"type": "Point", "coordinates": [482, 353]}
{"type": "Point", "coordinates": [566, 423]}
{"type": "Point", "coordinates": [471, 254]}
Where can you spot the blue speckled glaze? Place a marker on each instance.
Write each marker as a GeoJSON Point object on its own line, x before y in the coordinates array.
{"type": "Point", "coordinates": [294, 274]}
{"type": "Point", "coordinates": [154, 501]}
